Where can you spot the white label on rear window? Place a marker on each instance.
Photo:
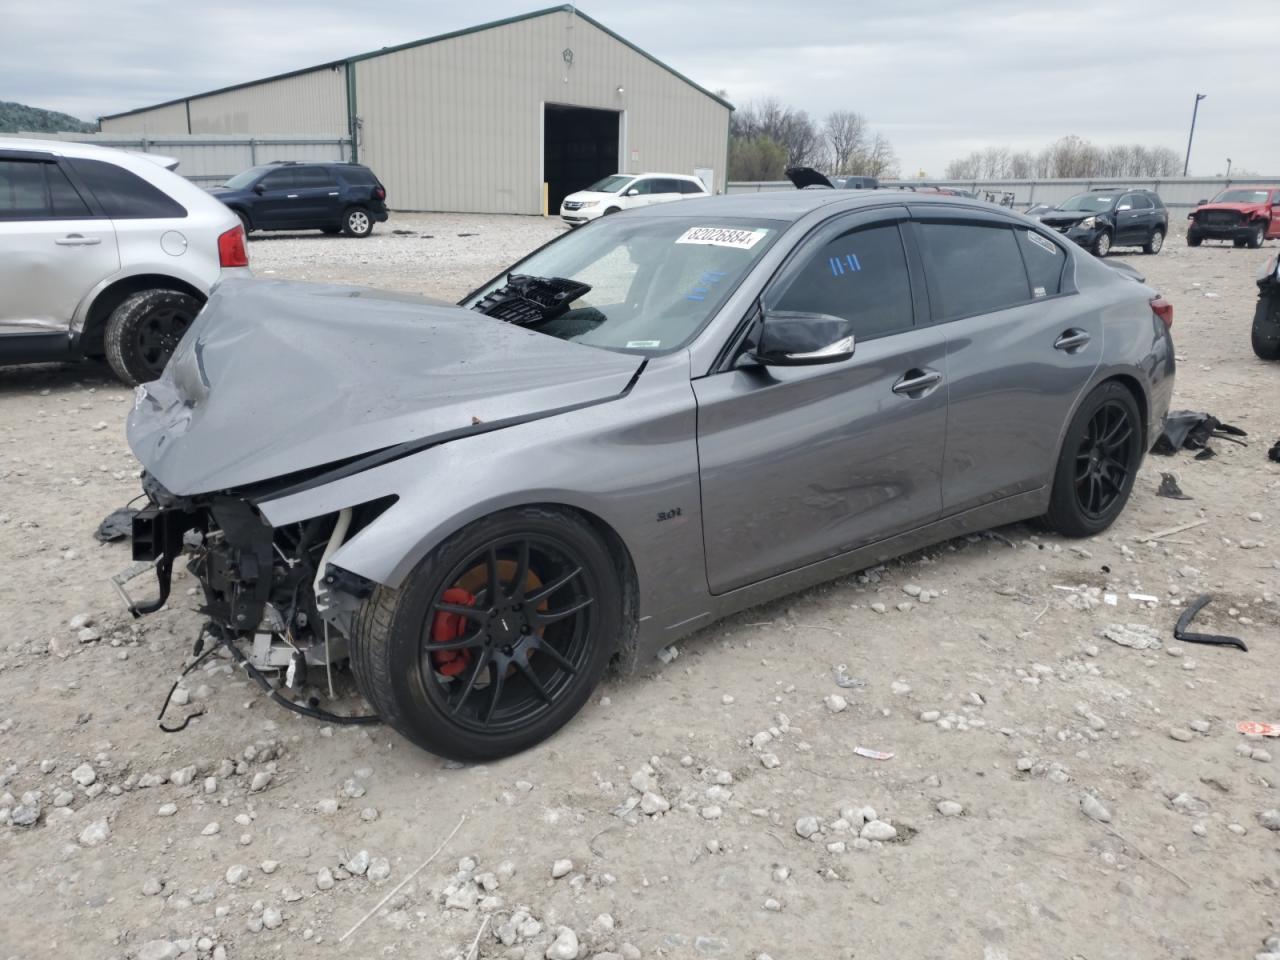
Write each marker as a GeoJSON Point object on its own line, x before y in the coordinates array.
{"type": "Point", "coordinates": [643, 344]}
{"type": "Point", "coordinates": [1041, 242]}
{"type": "Point", "coordinates": [723, 237]}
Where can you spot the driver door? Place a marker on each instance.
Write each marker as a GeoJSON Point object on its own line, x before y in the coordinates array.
{"type": "Point", "coordinates": [803, 463]}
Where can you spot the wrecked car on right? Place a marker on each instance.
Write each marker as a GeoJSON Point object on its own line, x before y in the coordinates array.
{"type": "Point", "coordinates": [1247, 216]}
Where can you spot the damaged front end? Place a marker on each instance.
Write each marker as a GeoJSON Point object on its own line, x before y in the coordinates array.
{"type": "Point", "coordinates": [269, 592]}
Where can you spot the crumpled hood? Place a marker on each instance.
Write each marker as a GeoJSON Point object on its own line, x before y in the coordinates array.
{"type": "Point", "coordinates": [276, 377]}
{"type": "Point", "coordinates": [1063, 218]}
{"type": "Point", "coordinates": [1234, 207]}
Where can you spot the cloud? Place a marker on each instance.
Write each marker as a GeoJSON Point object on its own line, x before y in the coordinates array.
{"type": "Point", "coordinates": [939, 79]}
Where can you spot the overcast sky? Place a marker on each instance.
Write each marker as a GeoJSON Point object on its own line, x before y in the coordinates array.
{"type": "Point", "coordinates": [938, 78]}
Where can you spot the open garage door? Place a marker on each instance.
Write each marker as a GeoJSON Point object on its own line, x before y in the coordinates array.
{"type": "Point", "coordinates": [580, 146]}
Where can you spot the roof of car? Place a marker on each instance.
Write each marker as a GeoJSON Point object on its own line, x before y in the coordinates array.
{"type": "Point", "coordinates": [791, 205]}
{"type": "Point", "coordinates": [65, 148]}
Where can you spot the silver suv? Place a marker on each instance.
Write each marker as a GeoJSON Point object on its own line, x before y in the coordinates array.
{"type": "Point", "coordinates": [105, 253]}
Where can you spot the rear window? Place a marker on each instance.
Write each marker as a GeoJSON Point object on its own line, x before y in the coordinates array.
{"type": "Point", "coordinates": [972, 269]}
{"type": "Point", "coordinates": [361, 176]}
{"type": "Point", "coordinates": [124, 195]}
{"type": "Point", "coordinates": [314, 177]}
{"type": "Point", "coordinates": [688, 186]}
{"type": "Point", "coordinates": [1045, 261]}
{"type": "Point", "coordinates": [35, 190]}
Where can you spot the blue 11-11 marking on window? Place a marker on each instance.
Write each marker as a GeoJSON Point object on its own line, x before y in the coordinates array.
{"type": "Point", "coordinates": [708, 279]}
{"type": "Point", "coordinates": [842, 265]}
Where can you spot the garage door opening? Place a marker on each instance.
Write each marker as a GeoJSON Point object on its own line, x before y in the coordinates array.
{"type": "Point", "coordinates": [580, 146]}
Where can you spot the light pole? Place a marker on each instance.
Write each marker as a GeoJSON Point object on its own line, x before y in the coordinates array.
{"type": "Point", "coordinates": [1194, 111]}
{"type": "Point", "coordinates": [1228, 168]}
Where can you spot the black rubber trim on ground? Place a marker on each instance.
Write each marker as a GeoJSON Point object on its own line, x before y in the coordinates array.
{"type": "Point", "coordinates": [1180, 631]}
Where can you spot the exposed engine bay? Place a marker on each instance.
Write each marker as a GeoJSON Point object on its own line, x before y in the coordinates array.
{"type": "Point", "coordinates": [269, 593]}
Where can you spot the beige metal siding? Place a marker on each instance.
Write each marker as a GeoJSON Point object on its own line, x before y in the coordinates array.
{"type": "Point", "coordinates": [312, 103]}
{"type": "Point", "coordinates": [456, 125]}
{"type": "Point", "coordinates": [158, 120]}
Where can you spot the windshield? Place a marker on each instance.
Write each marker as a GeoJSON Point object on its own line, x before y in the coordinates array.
{"type": "Point", "coordinates": [241, 180]}
{"type": "Point", "coordinates": [654, 281]}
{"type": "Point", "coordinates": [613, 184]}
{"type": "Point", "coordinates": [1089, 202]}
{"type": "Point", "coordinates": [1241, 196]}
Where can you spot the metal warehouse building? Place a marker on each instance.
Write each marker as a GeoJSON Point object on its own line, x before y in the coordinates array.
{"type": "Point", "coordinates": [476, 121]}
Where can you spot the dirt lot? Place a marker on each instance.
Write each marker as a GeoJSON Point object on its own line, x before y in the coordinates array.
{"type": "Point", "coordinates": [254, 833]}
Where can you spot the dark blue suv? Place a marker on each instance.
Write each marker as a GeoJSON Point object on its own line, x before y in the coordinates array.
{"type": "Point", "coordinates": [291, 195]}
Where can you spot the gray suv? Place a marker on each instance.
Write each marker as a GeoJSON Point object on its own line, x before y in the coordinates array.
{"type": "Point", "coordinates": [105, 253]}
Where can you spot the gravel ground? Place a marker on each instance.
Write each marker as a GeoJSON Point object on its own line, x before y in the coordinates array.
{"type": "Point", "coordinates": [1052, 793]}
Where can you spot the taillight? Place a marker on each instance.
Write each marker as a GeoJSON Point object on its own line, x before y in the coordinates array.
{"type": "Point", "coordinates": [1163, 309]}
{"type": "Point", "coordinates": [380, 193]}
{"type": "Point", "coordinates": [231, 251]}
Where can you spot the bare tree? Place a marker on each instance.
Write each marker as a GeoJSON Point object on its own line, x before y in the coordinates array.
{"type": "Point", "coordinates": [880, 160]}
{"type": "Point", "coordinates": [845, 133]}
{"type": "Point", "coordinates": [1068, 157]}
{"type": "Point", "coordinates": [756, 158]}
{"type": "Point", "coordinates": [1022, 165]}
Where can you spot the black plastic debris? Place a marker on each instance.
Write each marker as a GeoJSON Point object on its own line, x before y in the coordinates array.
{"type": "Point", "coordinates": [118, 525]}
{"type": "Point", "coordinates": [1169, 488]}
{"type": "Point", "coordinates": [1274, 452]}
{"type": "Point", "coordinates": [1189, 430]}
{"type": "Point", "coordinates": [1180, 631]}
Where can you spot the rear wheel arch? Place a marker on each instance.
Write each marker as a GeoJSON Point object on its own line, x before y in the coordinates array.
{"type": "Point", "coordinates": [104, 304]}
{"type": "Point", "coordinates": [1131, 384]}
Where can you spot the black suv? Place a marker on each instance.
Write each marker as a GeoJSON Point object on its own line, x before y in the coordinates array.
{"type": "Point", "coordinates": [1107, 217]}
{"type": "Point", "coordinates": [289, 195]}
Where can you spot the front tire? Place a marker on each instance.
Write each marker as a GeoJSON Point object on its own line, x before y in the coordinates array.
{"type": "Point", "coordinates": [1156, 243]}
{"type": "Point", "coordinates": [1266, 328]}
{"type": "Point", "coordinates": [1099, 460]}
{"type": "Point", "coordinates": [356, 222]}
{"type": "Point", "coordinates": [1102, 244]}
{"type": "Point", "coordinates": [1258, 237]}
{"type": "Point", "coordinates": [496, 639]}
{"type": "Point", "coordinates": [1194, 241]}
{"type": "Point", "coordinates": [144, 330]}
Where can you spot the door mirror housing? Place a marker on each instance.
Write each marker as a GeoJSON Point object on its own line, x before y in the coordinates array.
{"type": "Point", "coordinates": [1201, 203]}
{"type": "Point", "coordinates": [259, 189]}
{"type": "Point", "coordinates": [633, 192]}
{"type": "Point", "coordinates": [789, 339]}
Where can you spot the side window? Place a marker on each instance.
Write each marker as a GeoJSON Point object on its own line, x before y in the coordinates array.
{"type": "Point", "coordinates": [1127, 202]}
{"type": "Point", "coordinates": [124, 195]}
{"type": "Point", "coordinates": [279, 180]}
{"type": "Point", "coordinates": [972, 269]}
{"type": "Point", "coordinates": [1141, 201]}
{"type": "Point", "coordinates": [642, 187]}
{"type": "Point", "coordinates": [314, 177]}
{"type": "Point", "coordinates": [667, 186]}
{"type": "Point", "coordinates": [1045, 261]}
{"type": "Point", "coordinates": [688, 186]}
{"type": "Point", "coordinates": [359, 176]}
{"type": "Point", "coordinates": [860, 276]}
{"type": "Point", "coordinates": [35, 190]}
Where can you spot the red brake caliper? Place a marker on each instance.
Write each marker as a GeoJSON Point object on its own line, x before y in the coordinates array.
{"type": "Point", "coordinates": [451, 626]}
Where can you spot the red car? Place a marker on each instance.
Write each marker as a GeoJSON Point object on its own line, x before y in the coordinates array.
{"type": "Point", "coordinates": [1244, 215]}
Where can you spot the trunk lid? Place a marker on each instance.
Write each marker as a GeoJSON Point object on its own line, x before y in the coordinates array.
{"type": "Point", "coordinates": [274, 378]}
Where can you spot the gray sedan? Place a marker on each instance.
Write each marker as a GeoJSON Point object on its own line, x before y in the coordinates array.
{"type": "Point", "coordinates": [654, 421]}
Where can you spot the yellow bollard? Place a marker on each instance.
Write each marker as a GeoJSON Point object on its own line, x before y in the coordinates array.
{"type": "Point", "coordinates": [546, 190]}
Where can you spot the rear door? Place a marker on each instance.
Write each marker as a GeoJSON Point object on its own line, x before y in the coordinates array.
{"type": "Point", "coordinates": [1020, 349]}
{"type": "Point", "coordinates": [318, 197]}
{"type": "Point", "coordinates": [277, 200]}
{"type": "Point", "coordinates": [56, 245]}
{"type": "Point", "coordinates": [666, 189]}
{"type": "Point", "coordinates": [801, 464]}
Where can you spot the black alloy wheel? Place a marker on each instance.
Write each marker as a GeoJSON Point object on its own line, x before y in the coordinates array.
{"type": "Point", "coordinates": [1103, 459]}
{"type": "Point", "coordinates": [524, 636]}
{"type": "Point", "coordinates": [144, 330]}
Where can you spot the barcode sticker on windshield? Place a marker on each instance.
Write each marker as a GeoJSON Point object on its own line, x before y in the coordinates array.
{"type": "Point", "coordinates": [723, 237]}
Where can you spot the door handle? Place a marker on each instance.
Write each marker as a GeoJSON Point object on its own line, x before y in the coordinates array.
{"type": "Point", "coordinates": [77, 240]}
{"type": "Point", "coordinates": [291, 196]}
{"type": "Point", "coordinates": [334, 193]}
{"type": "Point", "coordinates": [915, 382]}
{"type": "Point", "coordinates": [1072, 340]}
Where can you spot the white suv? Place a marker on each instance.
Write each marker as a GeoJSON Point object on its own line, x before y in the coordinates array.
{"type": "Point", "coordinates": [104, 252]}
{"type": "Point", "coordinates": [623, 191]}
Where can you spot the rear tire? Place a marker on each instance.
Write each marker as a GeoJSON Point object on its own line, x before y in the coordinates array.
{"type": "Point", "coordinates": [396, 655]}
{"type": "Point", "coordinates": [144, 330]}
{"type": "Point", "coordinates": [356, 222]}
{"type": "Point", "coordinates": [1100, 456]}
{"type": "Point", "coordinates": [1266, 328]}
{"type": "Point", "coordinates": [1156, 243]}
{"type": "Point", "coordinates": [244, 222]}
{"type": "Point", "coordinates": [1102, 244]}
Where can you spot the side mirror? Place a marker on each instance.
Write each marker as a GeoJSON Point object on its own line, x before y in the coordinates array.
{"type": "Point", "coordinates": [790, 339]}
{"type": "Point", "coordinates": [633, 192]}
{"type": "Point", "coordinates": [1201, 203]}
{"type": "Point", "coordinates": [259, 189]}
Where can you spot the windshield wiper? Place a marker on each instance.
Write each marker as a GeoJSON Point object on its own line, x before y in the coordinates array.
{"type": "Point", "coordinates": [526, 300]}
